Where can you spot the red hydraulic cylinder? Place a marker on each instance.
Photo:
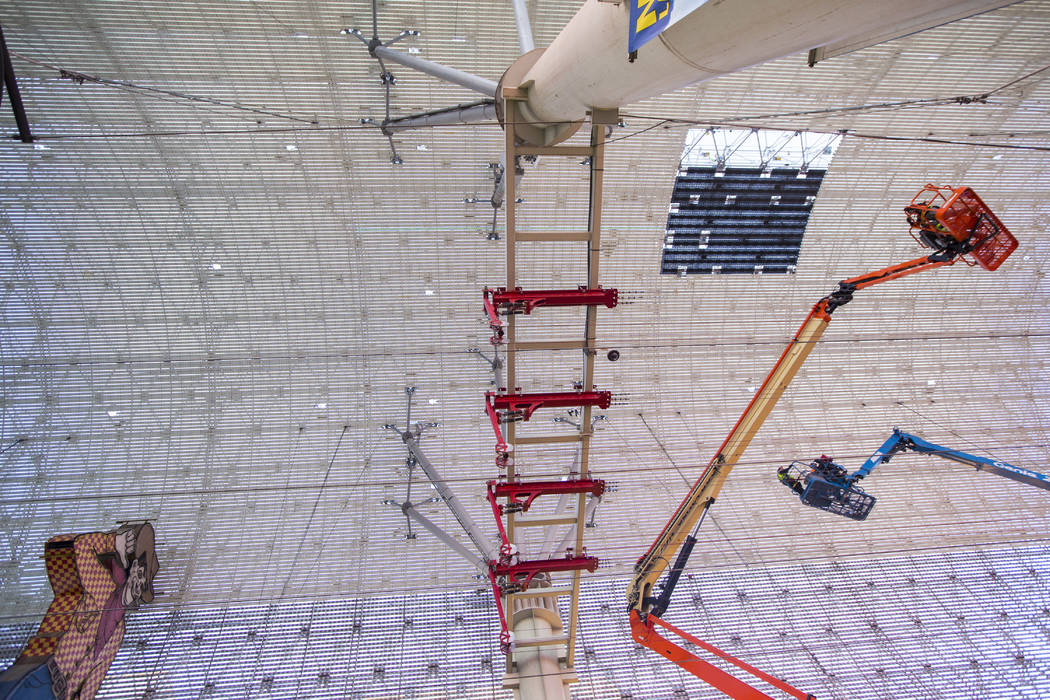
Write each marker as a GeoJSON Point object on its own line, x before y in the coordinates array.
{"type": "Point", "coordinates": [518, 300]}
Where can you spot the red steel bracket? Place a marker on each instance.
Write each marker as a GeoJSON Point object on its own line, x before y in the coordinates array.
{"type": "Point", "coordinates": [506, 408]}
{"type": "Point", "coordinates": [517, 301]}
{"type": "Point", "coordinates": [521, 406]}
{"type": "Point", "coordinates": [519, 575]}
{"type": "Point", "coordinates": [530, 490]}
{"type": "Point", "coordinates": [514, 491]}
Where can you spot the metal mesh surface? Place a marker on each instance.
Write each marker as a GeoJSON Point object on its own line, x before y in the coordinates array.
{"type": "Point", "coordinates": [938, 625]}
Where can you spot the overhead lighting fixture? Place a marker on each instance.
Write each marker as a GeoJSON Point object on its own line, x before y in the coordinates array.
{"type": "Point", "coordinates": [112, 414]}
{"type": "Point", "coordinates": [432, 401]}
{"type": "Point", "coordinates": [291, 147]}
{"type": "Point", "coordinates": [429, 292]}
{"type": "Point", "coordinates": [321, 405]}
{"type": "Point", "coordinates": [216, 266]}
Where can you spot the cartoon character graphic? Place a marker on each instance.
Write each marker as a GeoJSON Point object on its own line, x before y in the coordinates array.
{"type": "Point", "coordinates": [96, 577]}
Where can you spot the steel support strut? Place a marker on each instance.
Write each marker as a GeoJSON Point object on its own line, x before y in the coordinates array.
{"type": "Point", "coordinates": [15, 97]}
{"type": "Point", "coordinates": [410, 511]}
{"type": "Point", "coordinates": [462, 516]}
{"type": "Point", "coordinates": [472, 113]}
{"type": "Point", "coordinates": [451, 75]}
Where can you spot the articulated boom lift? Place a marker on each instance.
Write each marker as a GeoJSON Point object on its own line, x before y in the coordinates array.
{"type": "Point", "coordinates": [824, 484]}
{"type": "Point", "coordinates": [957, 226]}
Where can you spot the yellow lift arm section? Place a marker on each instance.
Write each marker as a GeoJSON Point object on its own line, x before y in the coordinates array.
{"type": "Point", "coordinates": [703, 493]}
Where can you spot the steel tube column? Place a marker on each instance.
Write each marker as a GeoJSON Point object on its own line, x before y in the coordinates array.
{"type": "Point", "coordinates": [471, 114]}
{"type": "Point", "coordinates": [410, 511]}
{"type": "Point", "coordinates": [452, 75]}
{"type": "Point", "coordinates": [587, 64]}
{"type": "Point", "coordinates": [469, 526]}
{"type": "Point", "coordinates": [521, 16]}
{"type": "Point", "coordinates": [538, 668]}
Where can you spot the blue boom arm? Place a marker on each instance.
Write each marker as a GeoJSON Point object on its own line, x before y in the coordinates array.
{"type": "Point", "coordinates": [901, 441]}
{"type": "Point", "coordinates": [823, 484]}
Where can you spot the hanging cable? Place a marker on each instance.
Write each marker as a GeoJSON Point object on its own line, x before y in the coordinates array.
{"type": "Point", "coordinates": [313, 511]}
{"type": "Point", "coordinates": [666, 453]}
{"type": "Point", "coordinates": [19, 441]}
{"type": "Point", "coordinates": [81, 78]}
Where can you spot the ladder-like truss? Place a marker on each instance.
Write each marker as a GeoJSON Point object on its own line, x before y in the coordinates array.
{"type": "Point", "coordinates": [511, 577]}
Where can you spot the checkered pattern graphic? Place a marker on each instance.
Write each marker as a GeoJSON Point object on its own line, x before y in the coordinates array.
{"type": "Point", "coordinates": [62, 575]}
{"type": "Point", "coordinates": [97, 586]}
{"type": "Point", "coordinates": [82, 586]}
{"type": "Point", "coordinates": [39, 646]}
{"type": "Point", "coordinates": [62, 567]}
{"type": "Point", "coordinates": [59, 614]}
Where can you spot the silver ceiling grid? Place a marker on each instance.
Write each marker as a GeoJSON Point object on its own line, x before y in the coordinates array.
{"type": "Point", "coordinates": [211, 270]}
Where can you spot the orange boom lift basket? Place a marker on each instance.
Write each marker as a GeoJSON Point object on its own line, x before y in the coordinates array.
{"type": "Point", "coordinates": [942, 217]}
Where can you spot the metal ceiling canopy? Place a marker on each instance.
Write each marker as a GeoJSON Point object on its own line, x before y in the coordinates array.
{"type": "Point", "coordinates": [140, 380]}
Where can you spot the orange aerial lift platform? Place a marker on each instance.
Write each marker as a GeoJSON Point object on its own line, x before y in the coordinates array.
{"type": "Point", "coordinates": [957, 225]}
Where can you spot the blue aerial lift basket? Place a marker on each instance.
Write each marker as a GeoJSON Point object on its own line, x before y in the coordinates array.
{"type": "Point", "coordinates": [850, 502]}
{"type": "Point", "coordinates": [825, 485]}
